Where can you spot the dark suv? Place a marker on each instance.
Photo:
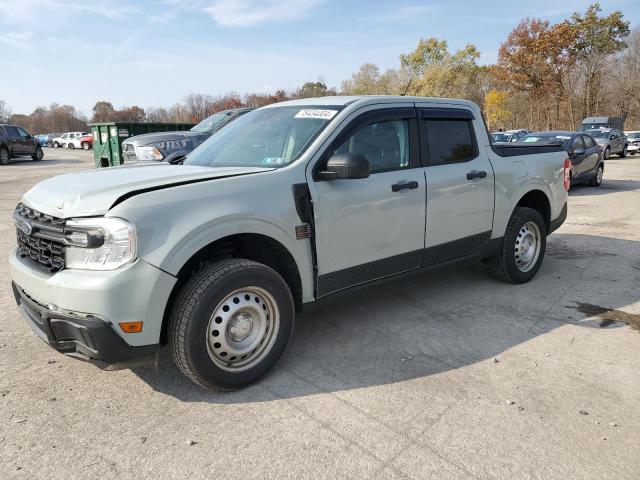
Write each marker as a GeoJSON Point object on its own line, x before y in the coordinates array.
{"type": "Point", "coordinates": [172, 146]}
{"type": "Point", "coordinates": [15, 142]}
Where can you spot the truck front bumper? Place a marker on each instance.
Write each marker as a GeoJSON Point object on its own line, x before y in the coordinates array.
{"type": "Point", "coordinates": [77, 312]}
{"type": "Point", "coordinates": [88, 338]}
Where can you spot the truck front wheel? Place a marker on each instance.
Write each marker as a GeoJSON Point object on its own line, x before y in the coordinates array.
{"type": "Point", "coordinates": [523, 247]}
{"type": "Point", "coordinates": [230, 324]}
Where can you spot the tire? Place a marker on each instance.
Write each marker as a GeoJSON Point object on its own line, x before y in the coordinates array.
{"type": "Point", "coordinates": [623, 154]}
{"type": "Point", "coordinates": [511, 265]}
{"type": "Point", "coordinates": [56, 145]}
{"type": "Point", "coordinates": [4, 156]}
{"type": "Point", "coordinates": [85, 145]}
{"type": "Point", "coordinates": [596, 181]}
{"type": "Point", "coordinates": [37, 156]}
{"type": "Point", "coordinates": [71, 146]}
{"type": "Point", "coordinates": [607, 153]}
{"type": "Point", "coordinates": [200, 332]}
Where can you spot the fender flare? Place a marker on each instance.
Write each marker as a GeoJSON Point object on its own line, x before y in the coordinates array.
{"type": "Point", "coordinates": [186, 247]}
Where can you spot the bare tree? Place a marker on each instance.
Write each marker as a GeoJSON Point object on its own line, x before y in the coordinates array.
{"type": "Point", "coordinates": [5, 111]}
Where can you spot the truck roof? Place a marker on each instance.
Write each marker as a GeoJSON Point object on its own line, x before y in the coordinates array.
{"type": "Point", "coordinates": [361, 100]}
{"type": "Point", "coordinates": [597, 119]}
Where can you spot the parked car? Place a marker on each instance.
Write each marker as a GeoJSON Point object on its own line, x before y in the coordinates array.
{"type": "Point", "coordinates": [85, 142]}
{"type": "Point", "coordinates": [48, 142]}
{"type": "Point", "coordinates": [611, 140]}
{"type": "Point", "coordinates": [166, 146]}
{"type": "Point", "coordinates": [587, 164]}
{"type": "Point", "coordinates": [15, 142]}
{"type": "Point", "coordinates": [593, 123]}
{"type": "Point", "coordinates": [633, 142]}
{"type": "Point", "coordinates": [42, 139]}
{"type": "Point", "coordinates": [285, 206]}
{"type": "Point", "coordinates": [62, 140]}
{"type": "Point", "coordinates": [510, 136]}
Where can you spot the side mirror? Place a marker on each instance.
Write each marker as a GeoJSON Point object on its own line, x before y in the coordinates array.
{"type": "Point", "coordinates": [346, 165]}
{"type": "Point", "coordinates": [579, 151]}
{"type": "Point", "coordinates": [176, 157]}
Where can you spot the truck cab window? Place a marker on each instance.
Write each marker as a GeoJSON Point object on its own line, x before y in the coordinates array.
{"type": "Point", "coordinates": [384, 144]}
{"type": "Point", "coordinates": [449, 141]}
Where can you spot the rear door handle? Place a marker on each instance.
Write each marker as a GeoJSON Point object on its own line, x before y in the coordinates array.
{"type": "Point", "coordinates": [396, 187]}
{"type": "Point", "coordinates": [476, 174]}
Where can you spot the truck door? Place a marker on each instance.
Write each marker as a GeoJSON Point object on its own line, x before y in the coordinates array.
{"type": "Point", "coordinates": [370, 228]}
{"type": "Point", "coordinates": [579, 156]}
{"type": "Point", "coordinates": [592, 152]}
{"type": "Point", "coordinates": [28, 143]}
{"type": "Point", "coordinates": [15, 146]}
{"type": "Point", "coordinates": [617, 141]}
{"type": "Point", "coordinates": [460, 183]}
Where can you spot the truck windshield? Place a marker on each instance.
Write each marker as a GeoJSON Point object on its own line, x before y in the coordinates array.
{"type": "Point", "coordinates": [270, 137]}
{"type": "Point", "coordinates": [590, 126]}
{"type": "Point", "coordinates": [598, 133]}
{"type": "Point", "coordinates": [210, 123]}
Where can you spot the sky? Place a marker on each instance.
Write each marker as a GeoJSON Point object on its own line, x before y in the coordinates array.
{"type": "Point", "coordinates": [153, 53]}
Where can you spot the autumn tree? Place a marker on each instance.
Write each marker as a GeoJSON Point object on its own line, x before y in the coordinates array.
{"type": "Point", "coordinates": [314, 89]}
{"type": "Point", "coordinates": [534, 60]}
{"type": "Point", "coordinates": [597, 38]}
{"type": "Point", "coordinates": [103, 112]}
{"type": "Point", "coordinates": [496, 109]}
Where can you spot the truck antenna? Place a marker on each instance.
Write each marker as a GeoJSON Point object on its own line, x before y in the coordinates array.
{"type": "Point", "coordinates": [407, 87]}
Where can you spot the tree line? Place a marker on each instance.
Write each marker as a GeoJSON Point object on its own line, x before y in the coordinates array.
{"type": "Point", "coordinates": [547, 77]}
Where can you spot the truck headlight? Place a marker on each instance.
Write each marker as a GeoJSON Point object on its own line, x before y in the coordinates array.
{"type": "Point", "coordinates": [149, 153]}
{"type": "Point", "coordinates": [99, 243]}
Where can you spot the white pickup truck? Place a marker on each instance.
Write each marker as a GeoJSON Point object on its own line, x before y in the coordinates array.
{"type": "Point", "coordinates": [289, 204]}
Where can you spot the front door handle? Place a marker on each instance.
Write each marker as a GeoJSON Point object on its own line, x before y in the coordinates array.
{"type": "Point", "coordinates": [396, 187]}
{"type": "Point", "coordinates": [476, 174]}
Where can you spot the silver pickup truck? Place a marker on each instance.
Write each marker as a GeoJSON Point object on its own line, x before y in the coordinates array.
{"type": "Point", "coordinates": [288, 205]}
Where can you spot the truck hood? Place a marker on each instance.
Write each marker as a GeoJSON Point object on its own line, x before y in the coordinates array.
{"type": "Point", "coordinates": [161, 137]}
{"type": "Point", "coordinates": [94, 192]}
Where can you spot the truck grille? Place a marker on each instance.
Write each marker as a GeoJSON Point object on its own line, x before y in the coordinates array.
{"type": "Point", "coordinates": [41, 238]}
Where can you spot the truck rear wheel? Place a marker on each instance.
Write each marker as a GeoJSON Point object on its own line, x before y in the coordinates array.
{"type": "Point", "coordinates": [230, 324]}
{"type": "Point", "coordinates": [523, 247]}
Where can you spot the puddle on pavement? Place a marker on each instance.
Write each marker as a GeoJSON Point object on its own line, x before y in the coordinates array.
{"type": "Point", "coordinates": [608, 317]}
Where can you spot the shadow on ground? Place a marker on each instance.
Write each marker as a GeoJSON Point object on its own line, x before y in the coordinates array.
{"type": "Point", "coordinates": [607, 186]}
{"type": "Point", "coordinates": [436, 321]}
{"type": "Point", "coordinates": [26, 161]}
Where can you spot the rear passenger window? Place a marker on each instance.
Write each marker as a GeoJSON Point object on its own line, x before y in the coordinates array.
{"type": "Point", "coordinates": [588, 142]}
{"type": "Point", "coordinates": [577, 144]}
{"type": "Point", "coordinates": [12, 131]}
{"type": "Point", "coordinates": [449, 141]}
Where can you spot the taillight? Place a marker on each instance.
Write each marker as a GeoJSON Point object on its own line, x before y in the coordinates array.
{"type": "Point", "coordinates": [567, 174]}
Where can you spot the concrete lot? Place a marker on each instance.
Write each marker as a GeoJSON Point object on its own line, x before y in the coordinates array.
{"type": "Point", "coordinates": [449, 374]}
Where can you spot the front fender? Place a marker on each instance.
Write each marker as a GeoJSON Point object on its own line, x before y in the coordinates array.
{"type": "Point", "coordinates": [185, 245]}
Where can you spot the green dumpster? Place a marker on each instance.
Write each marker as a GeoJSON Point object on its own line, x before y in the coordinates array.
{"type": "Point", "coordinates": [108, 138]}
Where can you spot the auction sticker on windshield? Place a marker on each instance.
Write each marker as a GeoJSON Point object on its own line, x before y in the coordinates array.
{"type": "Point", "coordinates": [316, 113]}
